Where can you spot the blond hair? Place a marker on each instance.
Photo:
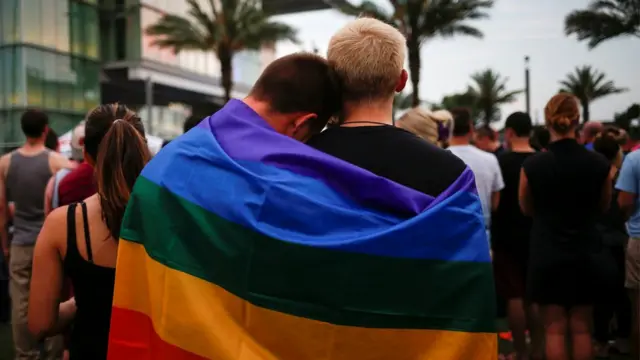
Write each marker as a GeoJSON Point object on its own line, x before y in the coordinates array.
{"type": "Point", "coordinates": [368, 57]}
{"type": "Point", "coordinates": [435, 127]}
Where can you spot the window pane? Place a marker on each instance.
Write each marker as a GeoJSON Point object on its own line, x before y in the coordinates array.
{"type": "Point", "coordinates": [31, 16]}
{"type": "Point", "coordinates": [91, 85]}
{"type": "Point", "coordinates": [35, 73]}
{"type": "Point", "coordinates": [75, 33]}
{"type": "Point", "coordinates": [61, 17]}
{"type": "Point", "coordinates": [78, 94]}
{"type": "Point", "coordinates": [91, 32]}
{"type": "Point", "coordinates": [12, 71]}
{"type": "Point", "coordinates": [9, 27]}
{"type": "Point", "coordinates": [52, 79]}
{"type": "Point", "coordinates": [68, 83]}
{"type": "Point", "coordinates": [49, 23]}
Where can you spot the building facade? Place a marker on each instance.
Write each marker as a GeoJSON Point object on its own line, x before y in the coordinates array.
{"type": "Point", "coordinates": [67, 56]}
{"type": "Point", "coordinates": [49, 59]}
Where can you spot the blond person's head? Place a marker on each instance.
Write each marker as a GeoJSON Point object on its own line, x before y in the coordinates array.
{"type": "Point", "coordinates": [368, 57]}
{"type": "Point", "coordinates": [435, 127]}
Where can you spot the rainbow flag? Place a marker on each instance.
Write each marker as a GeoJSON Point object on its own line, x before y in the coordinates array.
{"type": "Point", "coordinates": [241, 243]}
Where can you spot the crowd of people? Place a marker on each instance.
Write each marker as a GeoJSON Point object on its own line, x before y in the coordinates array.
{"type": "Point", "coordinates": [560, 205]}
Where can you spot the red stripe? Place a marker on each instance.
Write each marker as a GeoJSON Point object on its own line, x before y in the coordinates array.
{"type": "Point", "coordinates": [132, 337]}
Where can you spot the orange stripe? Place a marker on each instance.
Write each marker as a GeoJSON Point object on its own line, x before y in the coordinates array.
{"type": "Point", "coordinates": [204, 319]}
{"type": "Point", "coordinates": [132, 337]}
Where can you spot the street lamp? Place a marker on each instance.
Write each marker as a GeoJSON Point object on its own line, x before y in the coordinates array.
{"type": "Point", "coordinates": [527, 86]}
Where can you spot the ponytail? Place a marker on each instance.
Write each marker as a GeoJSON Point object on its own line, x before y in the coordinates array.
{"type": "Point", "coordinates": [123, 152]}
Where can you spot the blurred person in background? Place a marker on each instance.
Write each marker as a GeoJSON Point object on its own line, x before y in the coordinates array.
{"type": "Point", "coordinates": [565, 190]}
{"type": "Point", "coordinates": [24, 174]}
{"type": "Point", "coordinates": [52, 193]}
{"type": "Point", "coordinates": [484, 164]}
{"type": "Point", "coordinates": [486, 139]}
{"type": "Point", "coordinates": [510, 233]}
{"type": "Point", "coordinates": [589, 132]}
{"type": "Point", "coordinates": [540, 139]}
{"type": "Point", "coordinates": [51, 142]}
{"type": "Point", "coordinates": [433, 126]}
{"type": "Point", "coordinates": [628, 183]}
{"type": "Point", "coordinates": [81, 240]}
{"type": "Point", "coordinates": [613, 301]}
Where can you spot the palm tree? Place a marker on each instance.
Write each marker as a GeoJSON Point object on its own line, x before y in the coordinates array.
{"type": "Point", "coordinates": [226, 27]}
{"type": "Point", "coordinates": [490, 90]}
{"type": "Point", "coordinates": [422, 20]}
{"type": "Point", "coordinates": [588, 84]}
{"type": "Point", "coordinates": [604, 20]}
{"type": "Point", "coordinates": [466, 99]}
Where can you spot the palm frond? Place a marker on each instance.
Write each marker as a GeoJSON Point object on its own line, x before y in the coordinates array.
{"type": "Point", "coordinates": [178, 33]}
{"type": "Point", "coordinates": [589, 84]}
{"type": "Point", "coordinates": [604, 20]}
{"type": "Point", "coordinates": [366, 8]}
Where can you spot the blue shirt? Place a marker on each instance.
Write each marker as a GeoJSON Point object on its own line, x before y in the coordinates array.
{"type": "Point", "coordinates": [629, 181]}
{"type": "Point", "coordinates": [589, 146]}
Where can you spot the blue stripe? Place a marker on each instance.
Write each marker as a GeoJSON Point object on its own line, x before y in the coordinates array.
{"type": "Point", "coordinates": [304, 210]}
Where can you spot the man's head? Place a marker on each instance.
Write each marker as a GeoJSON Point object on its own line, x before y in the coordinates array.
{"type": "Point", "coordinates": [368, 57]}
{"type": "Point", "coordinates": [297, 95]}
{"type": "Point", "coordinates": [35, 125]}
{"type": "Point", "coordinates": [590, 131]}
{"type": "Point", "coordinates": [517, 126]}
{"type": "Point", "coordinates": [485, 138]}
{"type": "Point", "coordinates": [462, 124]}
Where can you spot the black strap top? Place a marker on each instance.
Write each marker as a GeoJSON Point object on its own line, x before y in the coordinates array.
{"type": "Point", "coordinates": [93, 290]}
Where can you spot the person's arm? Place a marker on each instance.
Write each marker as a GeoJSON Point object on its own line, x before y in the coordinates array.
{"type": "Point", "coordinates": [524, 195]}
{"type": "Point", "coordinates": [497, 186]}
{"type": "Point", "coordinates": [45, 317]}
{"type": "Point", "coordinates": [48, 195]}
{"type": "Point", "coordinates": [58, 162]}
{"type": "Point", "coordinates": [607, 192]}
{"type": "Point", "coordinates": [4, 209]}
{"type": "Point", "coordinates": [628, 185]}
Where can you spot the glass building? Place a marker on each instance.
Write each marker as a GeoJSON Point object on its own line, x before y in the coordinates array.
{"type": "Point", "coordinates": [67, 56]}
{"type": "Point", "coordinates": [49, 59]}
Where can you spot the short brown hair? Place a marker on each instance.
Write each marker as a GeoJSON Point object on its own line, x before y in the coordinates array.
{"type": "Point", "coordinates": [462, 123]}
{"type": "Point", "coordinates": [368, 56]}
{"type": "Point", "coordinates": [300, 82]}
{"type": "Point", "coordinates": [486, 131]}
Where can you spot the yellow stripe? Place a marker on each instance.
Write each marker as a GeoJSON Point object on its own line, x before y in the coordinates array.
{"type": "Point", "coordinates": [204, 319]}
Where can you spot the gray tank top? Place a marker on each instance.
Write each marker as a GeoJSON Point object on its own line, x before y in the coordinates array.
{"type": "Point", "coordinates": [26, 183]}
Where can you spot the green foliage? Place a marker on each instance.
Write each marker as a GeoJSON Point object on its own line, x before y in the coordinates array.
{"type": "Point", "coordinates": [422, 20]}
{"type": "Point", "coordinates": [624, 118]}
{"type": "Point", "coordinates": [603, 20]}
{"type": "Point", "coordinates": [225, 27]}
{"type": "Point", "coordinates": [490, 89]}
{"type": "Point", "coordinates": [588, 85]}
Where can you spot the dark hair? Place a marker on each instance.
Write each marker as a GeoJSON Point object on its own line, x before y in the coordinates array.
{"type": "Point", "coordinates": [51, 142]}
{"type": "Point", "coordinates": [562, 113]}
{"type": "Point", "coordinates": [462, 124]}
{"type": "Point", "coordinates": [34, 123]}
{"type": "Point", "coordinates": [114, 137]}
{"type": "Point", "coordinates": [607, 145]}
{"type": "Point", "coordinates": [486, 131]}
{"type": "Point", "coordinates": [540, 139]}
{"type": "Point", "coordinates": [520, 123]}
{"type": "Point", "coordinates": [191, 122]}
{"type": "Point", "coordinates": [300, 83]}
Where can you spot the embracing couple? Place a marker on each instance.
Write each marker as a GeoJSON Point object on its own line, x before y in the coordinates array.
{"type": "Point", "coordinates": [240, 241]}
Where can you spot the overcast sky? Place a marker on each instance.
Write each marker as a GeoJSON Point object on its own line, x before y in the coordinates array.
{"type": "Point", "coordinates": [516, 28]}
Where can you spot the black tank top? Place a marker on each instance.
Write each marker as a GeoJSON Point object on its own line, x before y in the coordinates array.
{"type": "Point", "coordinates": [93, 289]}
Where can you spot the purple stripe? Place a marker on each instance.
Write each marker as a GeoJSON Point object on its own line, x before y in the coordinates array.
{"type": "Point", "coordinates": [238, 130]}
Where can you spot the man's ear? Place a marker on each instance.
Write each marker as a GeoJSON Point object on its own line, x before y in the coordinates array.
{"type": "Point", "coordinates": [402, 81]}
{"type": "Point", "coordinates": [303, 120]}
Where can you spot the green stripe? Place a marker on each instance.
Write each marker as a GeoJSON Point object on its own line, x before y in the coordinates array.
{"type": "Point", "coordinates": [338, 287]}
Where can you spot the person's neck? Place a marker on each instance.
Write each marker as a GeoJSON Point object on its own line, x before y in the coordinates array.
{"type": "Point", "coordinates": [494, 146]}
{"type": "Point", "coordinates": [32, 145]}
{"type": "Point", "coordinates": [521, 145]}
{"type": "Point", "coordinates": [459, 141]}
{"type": "Point", "coordinates": [366, 113]}
{"type": "Point", "coordinates": [555, 136]}
{"type": "Point", "coordinates": [264, 111]}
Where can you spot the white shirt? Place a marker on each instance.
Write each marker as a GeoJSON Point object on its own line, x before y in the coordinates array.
{"type": "Point", "coordinates": [486, 169]}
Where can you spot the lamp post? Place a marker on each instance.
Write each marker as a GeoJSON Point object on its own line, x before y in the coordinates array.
{"type": "Point", "coordinates": [527, 86]}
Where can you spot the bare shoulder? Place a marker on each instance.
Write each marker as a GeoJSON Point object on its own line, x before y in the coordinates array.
{"type": "Point", "coordinates": [54, 230]}
{"type": "Point", "coordinates": [58, 161]}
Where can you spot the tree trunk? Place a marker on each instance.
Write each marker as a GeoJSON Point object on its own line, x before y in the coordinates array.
{"type": "Point", "coordinates": [585, 111]}
{"type": "Point", "coordinates": [226, 68]}
{"type": "Point", "coordinates": [413, 46]}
